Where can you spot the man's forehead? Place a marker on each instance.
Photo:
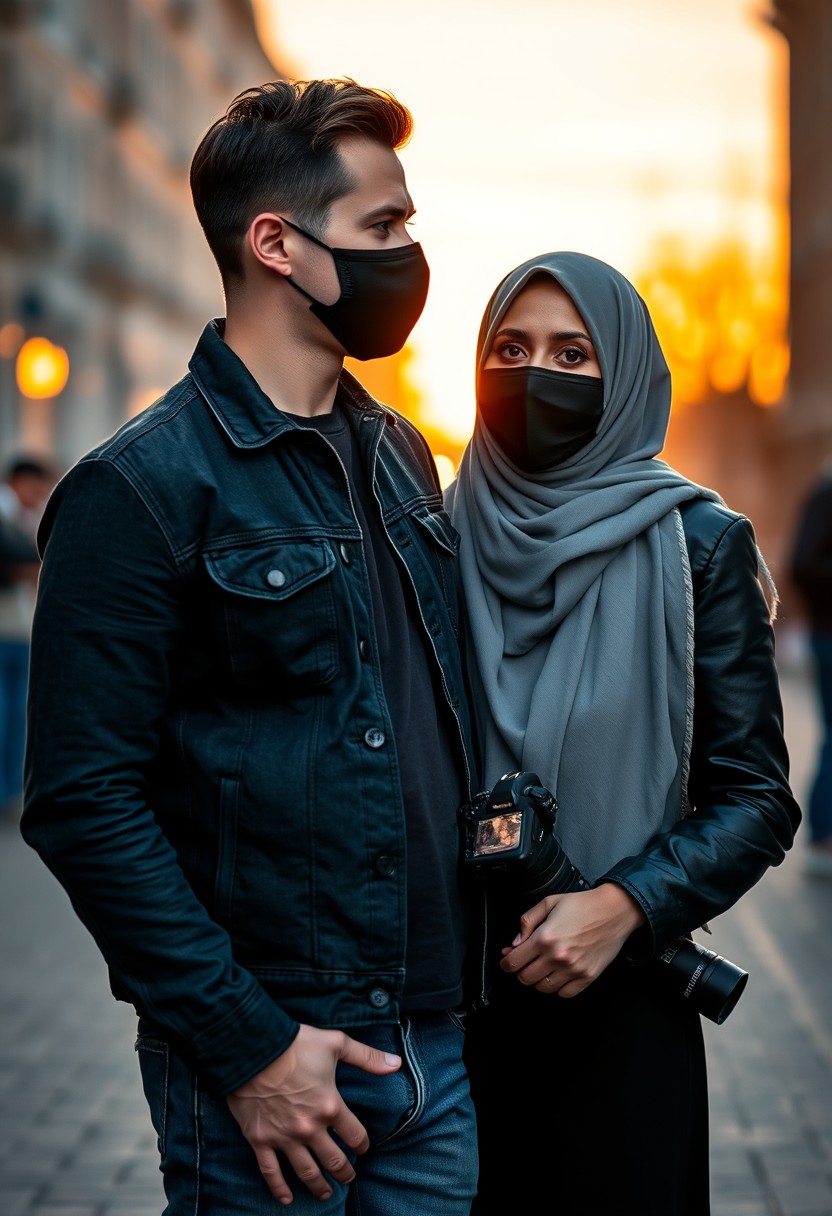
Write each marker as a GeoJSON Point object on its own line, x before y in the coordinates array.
{"type": "Point", "coordinates": [378, 189]}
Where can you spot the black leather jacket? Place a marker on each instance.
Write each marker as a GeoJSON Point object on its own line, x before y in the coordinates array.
{"type": "Point", "coordinates": [744, 816]}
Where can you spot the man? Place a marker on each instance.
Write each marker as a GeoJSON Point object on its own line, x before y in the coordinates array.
{"type": "Point", "coordinates": [23, 494]}
{"type": "Point", "coordinates": [811, 569]}
{"type": "Point", "coordinates": [249, 738]}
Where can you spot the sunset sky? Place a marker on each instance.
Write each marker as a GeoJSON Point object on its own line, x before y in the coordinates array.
{"type": "Point", "coordinates": [601, 126]}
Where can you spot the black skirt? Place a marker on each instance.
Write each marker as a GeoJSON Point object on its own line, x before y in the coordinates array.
{"type": "Point", "coordinates": [595, 1105]}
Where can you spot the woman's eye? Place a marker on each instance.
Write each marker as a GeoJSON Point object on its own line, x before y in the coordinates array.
{"type": "Point", "coordinates": [383, 225]}
{"type": "Point", "coordinates": [510, 350]}
{"type": "Point", "coordinates": [573, 355]}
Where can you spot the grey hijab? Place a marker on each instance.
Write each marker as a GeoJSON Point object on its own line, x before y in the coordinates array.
{"type": "Point", "coordinates": [577, 588]}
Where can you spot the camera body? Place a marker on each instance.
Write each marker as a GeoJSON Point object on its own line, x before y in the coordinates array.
{"type": "Point", "coordinates": [510, 837]}
{"type": "Point", "coordinates": [509, 841]}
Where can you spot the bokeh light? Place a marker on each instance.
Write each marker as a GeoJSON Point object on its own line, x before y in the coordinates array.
{"type": "Point", "coordinates": [42, 368]}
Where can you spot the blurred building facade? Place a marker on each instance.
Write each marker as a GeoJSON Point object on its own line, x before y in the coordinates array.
{"type": "Point", "coordinates": [807, 417]}
{"type": "Point", "coordinates": [102, 103]}
{"type": "Point", "coordinates": [762, 444]}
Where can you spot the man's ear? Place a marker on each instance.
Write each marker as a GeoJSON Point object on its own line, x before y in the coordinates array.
{"type": "Point", "coordinates": [265, 242]}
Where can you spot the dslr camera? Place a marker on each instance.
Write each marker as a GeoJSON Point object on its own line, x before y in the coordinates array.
{"type": "Point", "coordinates": [510, 842]}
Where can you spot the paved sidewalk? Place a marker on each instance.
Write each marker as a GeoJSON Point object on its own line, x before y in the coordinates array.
{"type": "Point", "coordinates": [770, 1064]}
{"type": "Point", "coordinates": [75, 1138]}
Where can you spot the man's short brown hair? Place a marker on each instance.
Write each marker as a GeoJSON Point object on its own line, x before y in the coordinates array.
{"type": "Point", "coordinates": [275, 148]}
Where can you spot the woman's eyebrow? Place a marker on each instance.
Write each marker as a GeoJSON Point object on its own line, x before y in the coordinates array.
{"type": "Point", "coordinates": [563, 335]}
{"type": "Point", "coordinates": [566, 334]}
{"type": "Point", "coordinates": [511, 333]}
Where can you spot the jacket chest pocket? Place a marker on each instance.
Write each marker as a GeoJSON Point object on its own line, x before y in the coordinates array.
{"type": "Point", "coordinates": [277, 604]}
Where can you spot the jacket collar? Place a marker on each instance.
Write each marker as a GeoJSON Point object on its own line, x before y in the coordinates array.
{"type": "Point", "coordinates": [247, 415]}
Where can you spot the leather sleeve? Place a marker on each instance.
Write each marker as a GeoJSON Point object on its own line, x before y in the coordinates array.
{"type": "Point", "coordinates": [744, 816]}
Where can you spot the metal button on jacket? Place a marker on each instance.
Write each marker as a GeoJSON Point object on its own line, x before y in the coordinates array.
{"type": "Point", "coordinates": [374, 737]}
{"type": "Point", "coordinates": [345, 554]}
{"type": "Point", "coordinates": [385, 865]}
{"type": "Point", "coordinates": [275, 578]}
{"type": "Point", "coordinates": [363, 650]}
{"type": "Point", "coordinates": [379, 998]}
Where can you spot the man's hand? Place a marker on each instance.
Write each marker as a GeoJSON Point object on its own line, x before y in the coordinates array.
{"type": "Point", "coordinates": [291, 1106]}
{"type": "Point", "coordinates": [566, 941]}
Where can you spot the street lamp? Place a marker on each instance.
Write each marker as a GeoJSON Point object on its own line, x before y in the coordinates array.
{"type": "Point", "coordinates": [42, 368]}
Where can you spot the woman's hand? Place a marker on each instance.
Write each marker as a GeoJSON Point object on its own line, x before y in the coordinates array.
{"type": "Point", "coordinates": [566, 941]}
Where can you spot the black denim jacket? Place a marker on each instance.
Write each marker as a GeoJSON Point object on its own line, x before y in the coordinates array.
{"type": "Point", "coordinates": [210, 769]}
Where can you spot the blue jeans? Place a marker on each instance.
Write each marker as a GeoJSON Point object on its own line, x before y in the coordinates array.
{"type": "Point", "coordinates": [422, 1159]}
{"type": "Point", "coordinates": [820, 799]}
{"type": "Point", "coordinates": [14, 673]}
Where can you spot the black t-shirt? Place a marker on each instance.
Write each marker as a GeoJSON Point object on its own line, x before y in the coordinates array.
{"type": "Point", "coordinates": [432, 785]}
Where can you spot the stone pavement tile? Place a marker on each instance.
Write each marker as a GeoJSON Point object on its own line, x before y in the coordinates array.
{"type": "Point", "coordinates": [800, 1190]}
{"type": "Point", "coordinates": [121, 1208]}
{"type": "Point", "coordinates": [739, 1207]}
{"type": "Point", "coordinates": [739, 1183]}
{"type": "Point", "coordinates": [62, 1209]}
{"type": "Point", "coordinates": [726, 1205]}
{"type": "Point", "coordinates": [14, 1202]}
{"type": "Point", "coordinates": [802, 1194]}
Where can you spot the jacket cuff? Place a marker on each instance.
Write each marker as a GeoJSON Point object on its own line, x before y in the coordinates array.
{"type": "Point", "coordinates": [242, 1044]}
{"type": "Point", "coordinates": [650, 939]}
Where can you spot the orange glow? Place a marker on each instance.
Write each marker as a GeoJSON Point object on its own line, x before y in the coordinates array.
{"type": "Point", "coordinates": [42, 369]}
{"type": "Point", "coordinates": [446, 469]}
{"type": "Point", "coordinates": [141, 398]}
{"type": "Point", "coordinates": [767, 374]}
{"type": "Point", "coordinates": [722, 321]}
{"type": "Point", "coordinates": [11, 339]}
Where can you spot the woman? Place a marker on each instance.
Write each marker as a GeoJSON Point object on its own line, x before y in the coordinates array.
{"type": "Point", "coordinates": [620, 646]}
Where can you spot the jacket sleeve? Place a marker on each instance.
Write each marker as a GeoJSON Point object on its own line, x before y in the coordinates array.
{"type": "Point", "coordinates": [105, 633]}
{"type": "Point", "coordinates": [744, 816]}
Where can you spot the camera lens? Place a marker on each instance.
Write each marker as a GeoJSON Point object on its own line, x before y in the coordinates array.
{"type": "Point", "coordinates": [711, 983]}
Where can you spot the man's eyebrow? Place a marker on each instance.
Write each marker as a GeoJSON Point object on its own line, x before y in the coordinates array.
{"type": "Point", "coordinates": [393, 211]}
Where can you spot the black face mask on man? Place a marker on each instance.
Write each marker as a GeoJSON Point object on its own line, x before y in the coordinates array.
{"type": "Point", "coordinates": [539, 417]}
{"type": "Point", "coordinates": [383, 292]}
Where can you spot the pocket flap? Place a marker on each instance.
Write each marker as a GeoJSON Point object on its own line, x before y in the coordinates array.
{"type": "Point", "coordinates": [271, 571]}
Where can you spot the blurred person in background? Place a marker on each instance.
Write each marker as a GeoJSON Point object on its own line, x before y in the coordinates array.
{"type": "Point", "coordinates": [619, 646]}
{"type": "Point", "coordinates": [259, 572]}
{"type": "Point", "coordinates": [811, 569]}
{"type": "Point", "coordinates": [26, 485]}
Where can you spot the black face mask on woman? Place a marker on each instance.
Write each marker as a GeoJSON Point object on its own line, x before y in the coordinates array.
{"type": "Point", "coordinates": [539, 417]}
{"type": "Point", "coordinates": [383, 292]}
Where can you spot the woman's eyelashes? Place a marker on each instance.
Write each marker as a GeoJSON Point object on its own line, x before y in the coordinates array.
{"type": "Point", "coordinates": [512, 352]}
{"type": "Point", "coordinates": [567, 356]}
{"type": "Point", "coordinates": [574, 356]}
